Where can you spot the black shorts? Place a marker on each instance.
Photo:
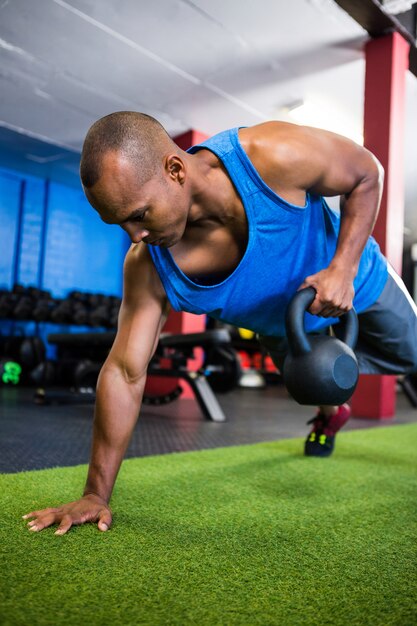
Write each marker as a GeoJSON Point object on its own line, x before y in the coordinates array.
{"type": "Point", "coordinates": [387, 341]}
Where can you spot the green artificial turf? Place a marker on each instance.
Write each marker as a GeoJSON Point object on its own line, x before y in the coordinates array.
{"type": "Point", "coordinates": [246, 535]}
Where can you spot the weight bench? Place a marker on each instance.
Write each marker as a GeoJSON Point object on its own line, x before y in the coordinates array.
{"type": "Point", "coordinates": [177, 348]}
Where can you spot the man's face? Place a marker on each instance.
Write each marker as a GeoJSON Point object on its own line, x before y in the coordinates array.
{"type": "Point", "coordinates": [154, 212]}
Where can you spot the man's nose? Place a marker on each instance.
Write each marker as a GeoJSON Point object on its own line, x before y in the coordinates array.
{"type": "Point", "coordinates": [136, 233]}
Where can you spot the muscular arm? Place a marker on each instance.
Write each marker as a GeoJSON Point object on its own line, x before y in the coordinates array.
{"type": "Point", "coordinates": [123, 376]}
{"type": "Point", "coordinates": [302, 159]}
{"type": "Point", "coordinates": [119, 393]}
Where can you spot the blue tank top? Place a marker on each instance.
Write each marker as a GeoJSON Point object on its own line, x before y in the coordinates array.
{"type": "Point", "coordinates": [286, 243]}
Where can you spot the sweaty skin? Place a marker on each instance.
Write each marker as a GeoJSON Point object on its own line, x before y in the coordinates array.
{"type": "Point", "coordinates": [192, 207]}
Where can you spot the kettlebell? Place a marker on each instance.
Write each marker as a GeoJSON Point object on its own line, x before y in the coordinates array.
{"type": "Point", "coordinates": [319, 369]}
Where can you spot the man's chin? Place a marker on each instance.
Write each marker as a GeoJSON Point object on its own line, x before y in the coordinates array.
{"type": "Point", "coordinates": [165, 242]}
{"type": "Point", "coordinates": [160, 243]}
{"type": "Point", "coordinates": [169, 243]}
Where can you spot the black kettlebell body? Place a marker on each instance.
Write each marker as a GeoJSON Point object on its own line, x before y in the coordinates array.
{"type": "Point", "coordinates": [319, 369]}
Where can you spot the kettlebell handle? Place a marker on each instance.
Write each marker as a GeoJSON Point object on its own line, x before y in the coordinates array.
{"type": "Point", "coordinates": [294, 322]}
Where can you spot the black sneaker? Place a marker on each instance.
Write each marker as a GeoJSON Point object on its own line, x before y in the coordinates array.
{"type": "Point", "coordinates": [320, 441]}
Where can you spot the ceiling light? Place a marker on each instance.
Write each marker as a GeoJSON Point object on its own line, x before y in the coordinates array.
{"type": "Point", "coordinates": [398, 6]}
{"type": "Point", "coordinates": [296, 105]}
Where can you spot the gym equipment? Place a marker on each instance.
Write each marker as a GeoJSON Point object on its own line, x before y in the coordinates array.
{"type": "Point", "coordinates": [23, 309]}
{"type": "Point", "coordinates": [257, 367]}
{"type": "Point", "coordinates": [99, 316]}
{"type": "Point", "coordinates": [26, 303]}
{"type": "Point", "coordinates": [44, 374]}
{"type": "Point", "coordinates": [10, 372]}
{"type": "Point", "coordinates": [19, 356]}
{"type": "Point", "coordinates": [80, 314]}
{"type": "Point", "coordinates": [222, 366]}
{"type": "Point", "coordinates": [319, 369]}
{"type": "Point", "coordinates": [165, 398]}
{"type": "Point", "coordinates": [10, 365]}
{"type": "Point", "coordinates": [114, 316]}
{"type": "Point", "coordinates": [409, 386]}
{"type": "Point", "coordinates": [8, 301]}
{"type": "Point", "coordinates": [180, 348]}
{"type": "Point", "coordinates": [42, 310]}
{"type": "Point", "coordinates": [78, 308]}
{"type": "Point", "coordinates": [62, 313]}
{"type": "Point", "coordinates": [89, 350]}
{"type": "Point", "coordinates": [32, 351]}
{"type": "Point", "coordinates": [85, 374]}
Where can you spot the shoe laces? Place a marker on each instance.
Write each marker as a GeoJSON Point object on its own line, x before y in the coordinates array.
{"type": "Point", "coordinates": [320, 421]}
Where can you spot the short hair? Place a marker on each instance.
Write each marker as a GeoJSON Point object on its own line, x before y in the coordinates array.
{"type": "Point", "coordinates": [139, 137]}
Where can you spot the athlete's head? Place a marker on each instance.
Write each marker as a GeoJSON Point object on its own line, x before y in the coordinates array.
{"type": "Point", "coordinates": [133, 175]}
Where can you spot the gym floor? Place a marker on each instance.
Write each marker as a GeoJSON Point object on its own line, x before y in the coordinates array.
{"type": "Point", "coordinates": [37, 437]}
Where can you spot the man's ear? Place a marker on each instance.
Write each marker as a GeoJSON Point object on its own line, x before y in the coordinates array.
{"type": "Point", "coordinates": [175, 168]}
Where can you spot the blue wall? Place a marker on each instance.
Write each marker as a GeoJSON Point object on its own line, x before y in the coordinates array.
{"type": "Point", "coordinates": [53, 239]}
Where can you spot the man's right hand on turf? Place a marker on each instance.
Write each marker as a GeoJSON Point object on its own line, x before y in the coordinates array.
{"type": "Point", "coordinates": [89, 508]}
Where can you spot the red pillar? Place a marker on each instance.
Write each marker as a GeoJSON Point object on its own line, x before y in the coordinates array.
{"type": "Point", "coordinates": [386, 66]}
{"type": "Point", "coordinates": [189, 138]}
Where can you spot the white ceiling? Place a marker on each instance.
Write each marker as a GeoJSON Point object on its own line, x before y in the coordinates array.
{"type": "Point", "coordinates": [203, 64]}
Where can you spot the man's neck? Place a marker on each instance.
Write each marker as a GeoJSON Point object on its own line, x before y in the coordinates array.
{"type": "Point", "coordinates": [214, 197]}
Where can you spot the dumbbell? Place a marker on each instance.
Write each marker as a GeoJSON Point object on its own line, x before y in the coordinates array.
{"type": "Point", "coordinates": [10, 372]}
{"type": "Point", "coordinates": [79, 296]}
{"type": "Point", "coordinates": [21, 355]}
{"type": "Point", "coordinates": [100, 315]}
{"type": "Point", "coordinates": [79, 313]}
{"type": "Point", "coordinates": [19, 289]}
{"type": "Point", "coordinates": [95, 300]}
{"type": "Point", "coordinates": [38, 294]}
{"type": "Point", "coordinates": [43, 304]}
{"type": "Point", "coordinates": [76, 372]}
{"type": "Point", "coordinates": [8, 302]}
{"type": "Point", "coordinates": [44, 374]}
{"type": "Point", "coordinates": [32, 351]}
{"type": "Point", "coordinates": [10, 367]}
{"type": "Point", "coordinates": [79, 303]}
{"type": "Point", "coordinates": [114, 316]}
{"type": "Point", "coordinates": [86, 374]}
{"type": "Point", "coordinates": [23, 309]}
{"type": "Point", "coordinates": [43, 310]}
{"type": "Point", "coordinates": [62, 313]}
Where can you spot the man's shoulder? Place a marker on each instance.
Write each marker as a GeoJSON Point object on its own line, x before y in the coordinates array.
{"type": "Point", "coordinates": [140, 274]}
{"type": "Point", "coordinates": [137, 253]}
{"type": "Point", "coordinates": [272, 133]}
{"type": "Point", "coordinates": [274, 149]}
{"type": "Point", "coordinates": [138, 258]}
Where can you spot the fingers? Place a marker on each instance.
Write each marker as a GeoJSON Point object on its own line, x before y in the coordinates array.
{"type": "Point", "coordinates": [65, 525]}
{"type": "Point", "coordinates": [37, 513]}
{"type": "Point", "coordinates": [70, 515]}
{"type": "Point", "coordinates": [328, 308]}
{"type": "Point", "coordinates": [105, 520]}
{"type": "Point", "coordinates": [334, 293]}
{"type": "Point", "coordinates": [322, 307]}
{"type": "Point", "coordinates": [43, 520]}
{"type": "Point", "coordinates": [328, 312]}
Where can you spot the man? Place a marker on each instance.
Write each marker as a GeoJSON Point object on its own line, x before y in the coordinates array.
{"type": "Point", "coordinates": [233, 228]}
